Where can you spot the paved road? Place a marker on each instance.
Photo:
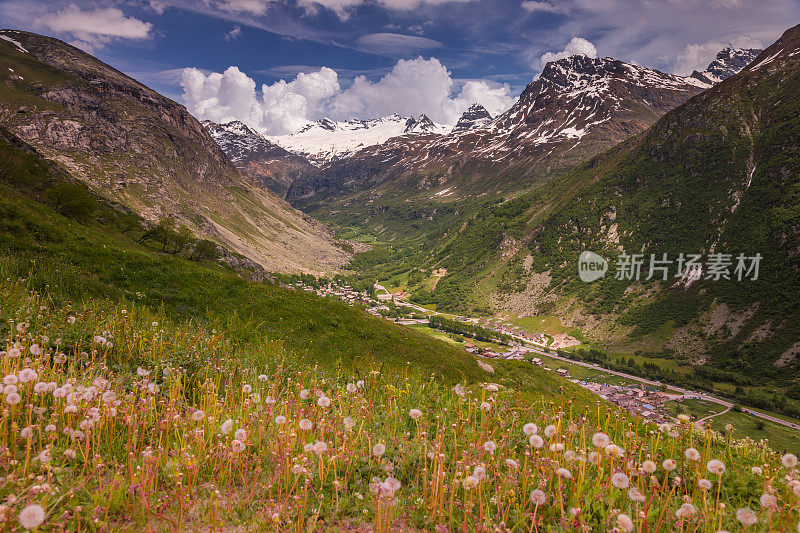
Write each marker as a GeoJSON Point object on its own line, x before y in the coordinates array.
{"type": "Point", "coordinates": [687, 394]}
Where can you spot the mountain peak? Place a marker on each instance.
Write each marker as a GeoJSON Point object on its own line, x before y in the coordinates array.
{"type": "Point", "coordinates": [728, 62]}
{"type": "Point", "coordinates": [419, 125]}
{"type": "Point", "coordinates": [476, 115]}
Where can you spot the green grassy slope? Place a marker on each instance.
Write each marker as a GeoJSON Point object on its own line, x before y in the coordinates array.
{"type": "Point", "coordinates": [720, 173]}
{"type": "Point", "coordinates": [93, 254]}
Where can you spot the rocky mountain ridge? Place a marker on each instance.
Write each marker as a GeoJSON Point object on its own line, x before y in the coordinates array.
{"type": "Point", "coordinates": [257, 157]}
{"type": "Point", "coordinates": [728, 62]}
{"type": "Point", "coordinates": [577, 107]}
{"type": "Point", "coordinates": [138, 148]}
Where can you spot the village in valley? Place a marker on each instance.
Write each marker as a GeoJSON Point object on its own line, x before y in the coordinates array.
{"type": "Point", "coordinates": [514, 342]}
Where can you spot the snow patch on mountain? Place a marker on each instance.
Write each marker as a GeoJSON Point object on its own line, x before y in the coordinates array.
{"type": "Point", "coordinates": [12, 41]}
{"type": "Point", "coordinates": [326, 140]}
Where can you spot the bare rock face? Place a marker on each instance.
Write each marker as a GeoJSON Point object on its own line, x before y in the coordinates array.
{"type": "Point", "coordinates": [728, 62]}
{"type": "Point", "coordinates": [259, 158]}
{"type": "Point", "coordinates": [139, 148]}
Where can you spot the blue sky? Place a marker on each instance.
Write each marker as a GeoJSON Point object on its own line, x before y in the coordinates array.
{"type": "Point", "coordinates": [449, 51]}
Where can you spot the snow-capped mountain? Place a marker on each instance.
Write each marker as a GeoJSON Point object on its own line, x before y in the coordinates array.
{"type": "Point", "coordinates": [575, 97]}
{"type": "Point", "coordinates": [256, 156]}
{"type": "Point", "coordinates": [577, 107]}
{"type": "Point", "coordinates": [728, 62]}
{"type": "Point", "coordinates": [475, 116]}
{"type": "Point", "coordinates": [325, 140]}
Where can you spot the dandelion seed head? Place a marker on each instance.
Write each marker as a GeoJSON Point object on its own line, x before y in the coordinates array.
{"type": "Point", "coordinates": [746, 516]}
{"type": "Point", "coordinates": [489, 446]}
{"type": "Point", "coordinates": [226, 426]}
{"type": "Point", "coordinates": [31, 516]}
{"type": "Point", "coordinates": [669, 464]}
{"type": "Point", "coordinates": [685, 511]}
{"type": "Point", "coordinates": [716, 467]}
{"type": "Point", "coordinates": [704, 484]}
{"type": "Point", "coordinates": [538, 497]}
{"type": "Point", "coordinates": [240, 435]}
{"type": "Point", "coordinates": [612, 450]}
{"type": "Point", "coordinates": [620, 480]}
{"type": "Point", "coordinates": [768, 501]}
{"type": "Point", "coordinates": [324, 402]}
{"type": "Point", "coordinates": [379, 449]}
{"type": "Point", "coordinates": [530, 429]}
{"type": "Point", "coordinates": [635, 495]}
{"type": "Point", "coordinates": [692, 454]}
{"type": "Point", "coordinates": [789, 460]}
{"type": "Point", "coordinates": [13, 398]}
{"type": "Point", "coordinates": [27, 374]}
{"type": "Point", "coordinates": [601, 440]}
{"type": "Point", "coordinates": [306, 424]}
{"type": "Point", "coordinates": [237, 446]}
{"type": "Point", "coordinates": [320, 447]}
{"type": "Point", "coordinates": [416, 414]}
{"type": "Point", "coordinates": [536, 441]}
{"type": "Point", "coordinates": [624, 523]}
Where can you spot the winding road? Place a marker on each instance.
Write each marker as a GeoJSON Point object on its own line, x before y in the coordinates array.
{"type": "Point", "coordinates": [687, 394]}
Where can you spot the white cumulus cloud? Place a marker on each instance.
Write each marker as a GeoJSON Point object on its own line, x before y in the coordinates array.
{"type": "Point", "coordinates": [576, 46]}
{"type": "Point", "coordinates": [533, 6]}
{"type": "Point", "coordinates": [412, 87]}
{"type": "Point", "coordinates": [252, 7]}
{"type": "Point", "coordinates": [235, 33]}
{"type": "Point", "coordinates": [94, 27]}
{"type": "Point", "coordinates": [280, 108]}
